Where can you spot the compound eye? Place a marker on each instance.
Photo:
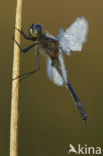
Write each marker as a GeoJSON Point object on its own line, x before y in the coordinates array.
{"type": "Point", "coordinates": [39, 26]}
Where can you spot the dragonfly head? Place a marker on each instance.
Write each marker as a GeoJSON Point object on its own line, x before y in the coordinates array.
{"type": "Point", "coordinates": [35, 30]}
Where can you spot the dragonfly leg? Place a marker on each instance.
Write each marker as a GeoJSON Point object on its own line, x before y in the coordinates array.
{"type": "Point", "coordinates": [23, 76]}
{"type": "Point", "coordinates": [25, 49]}
{"type": "Point", "coordinates": [22, 34]}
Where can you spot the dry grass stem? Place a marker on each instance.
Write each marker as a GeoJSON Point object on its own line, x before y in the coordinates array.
{"type": "Point", "coordinates": [15, 85]}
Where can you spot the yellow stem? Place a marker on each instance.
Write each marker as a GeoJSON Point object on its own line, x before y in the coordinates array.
{"type": "Point", "coordinates": [15, 85]}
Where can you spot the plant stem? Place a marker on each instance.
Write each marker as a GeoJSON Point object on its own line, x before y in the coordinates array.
{"type": "Point", "coordinates": [15, 85]}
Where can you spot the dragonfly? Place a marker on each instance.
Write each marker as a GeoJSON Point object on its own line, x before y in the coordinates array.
{"type": "Point", "coordinates": [71, 39]}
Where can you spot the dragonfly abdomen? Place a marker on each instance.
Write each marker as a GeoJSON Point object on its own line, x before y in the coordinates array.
{"type": "Point", "coordinates": [77, 102]}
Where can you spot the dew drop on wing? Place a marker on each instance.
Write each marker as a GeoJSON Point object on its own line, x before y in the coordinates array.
{"type": "Point", "coordinates": [53, 74]}
{"type": "Point", "coordinates": [74, 37]}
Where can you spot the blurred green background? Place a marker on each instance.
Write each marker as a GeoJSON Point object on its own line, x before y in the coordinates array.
{"type": "Point", "coordinates": [48, 118]}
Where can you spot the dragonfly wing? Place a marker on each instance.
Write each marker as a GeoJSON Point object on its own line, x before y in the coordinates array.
{"type": "Point", "coordinates": [53, 74]}
{"type": "Point", "coordinates": [74, 37]}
